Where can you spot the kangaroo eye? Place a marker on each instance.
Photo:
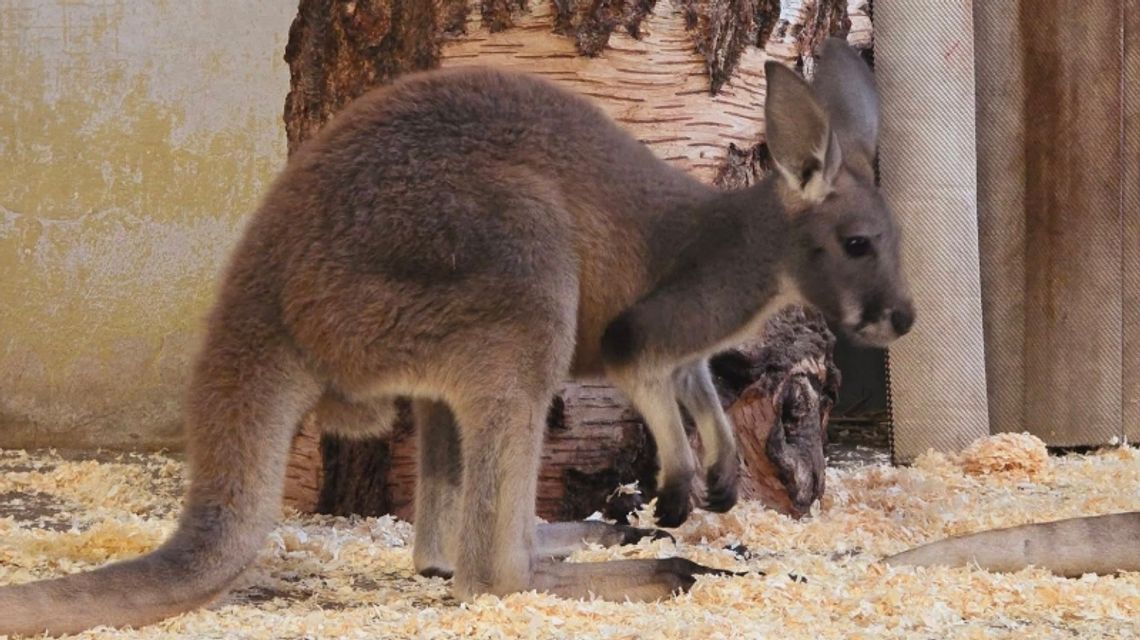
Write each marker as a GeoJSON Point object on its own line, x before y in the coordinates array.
{"type": "Point", "coordinates": [857, 246]}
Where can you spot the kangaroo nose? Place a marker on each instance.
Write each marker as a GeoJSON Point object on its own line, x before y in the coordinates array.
{"type": "Point", "coordinates": [902, 320]}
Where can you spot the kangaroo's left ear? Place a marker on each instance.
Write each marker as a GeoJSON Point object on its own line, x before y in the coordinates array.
{"type": "Point", "coordinates": [806, 152]}
{"type": "Point", "coordinates": [846, 90]}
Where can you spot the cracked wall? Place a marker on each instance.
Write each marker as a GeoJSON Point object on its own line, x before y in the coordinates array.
{"type": "Point", "coordinates": [135, 138]}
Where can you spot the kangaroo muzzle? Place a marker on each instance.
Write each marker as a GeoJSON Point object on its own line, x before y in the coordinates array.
{"type": "Point", "coordinates": [880, 326]}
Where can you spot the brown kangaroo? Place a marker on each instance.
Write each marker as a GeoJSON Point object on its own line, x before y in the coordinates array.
{"type": "Point", "coordinates": [471, 238]}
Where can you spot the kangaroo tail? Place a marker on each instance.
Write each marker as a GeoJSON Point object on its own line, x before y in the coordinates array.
{"type": "Point", "coordinates": [1098, 544]}
{"type": "Point", "coordinates": [249, 392]}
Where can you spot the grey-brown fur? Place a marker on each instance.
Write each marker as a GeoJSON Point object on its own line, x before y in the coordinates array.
{"type": "Point", "coordinates": [467, 238]}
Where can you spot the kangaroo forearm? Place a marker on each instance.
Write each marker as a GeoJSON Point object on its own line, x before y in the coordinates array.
{"type": "Point", "coordinates": [664, 330]}
{"type": "Point", "coordinates": [694, 387]}
{"type": "Point", "coordinates": [695, 390]}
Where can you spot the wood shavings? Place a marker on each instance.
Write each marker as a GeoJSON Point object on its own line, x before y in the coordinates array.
{"type": "Point", "coordinates": [820, 577]}
{"type": "Point", "coordinates": [1005, 453]}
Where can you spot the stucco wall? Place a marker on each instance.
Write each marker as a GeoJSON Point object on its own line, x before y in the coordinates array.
{"type": "Point", "coordinates": [135, 137]}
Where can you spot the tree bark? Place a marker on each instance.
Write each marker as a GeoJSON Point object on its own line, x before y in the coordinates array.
{"type": "Point", "coordinates": [686, 76]}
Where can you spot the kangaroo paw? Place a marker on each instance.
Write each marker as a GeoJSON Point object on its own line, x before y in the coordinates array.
{"type": "Point", "coordinates": [433, 572]}
{"type": "Point", "coordinates": [674, 504]}
{"type": "Point", "coordinates": [722, 488]}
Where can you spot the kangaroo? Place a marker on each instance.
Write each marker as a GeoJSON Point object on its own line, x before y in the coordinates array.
{"type": "Point", "coordinates": [1073, 547]}
{"type": "Point", "coordinates": [471, 238]}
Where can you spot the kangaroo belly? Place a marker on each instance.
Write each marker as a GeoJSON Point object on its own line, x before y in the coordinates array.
{"type": "Point", "coordinates": [355, 418]}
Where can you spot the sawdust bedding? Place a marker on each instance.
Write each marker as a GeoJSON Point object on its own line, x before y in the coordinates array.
{"type": "Point", "coordinates": [325, 577]}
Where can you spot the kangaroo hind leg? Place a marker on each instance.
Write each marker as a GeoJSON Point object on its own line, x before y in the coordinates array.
{"type": "Point", "coordinates": [502, 440]}
{"type": "Point", "coordinates": [438, 499]}
{"type": "Point", "coordinates": [438, 486]}
{"type": "Point", "coordinates": [498, 551]}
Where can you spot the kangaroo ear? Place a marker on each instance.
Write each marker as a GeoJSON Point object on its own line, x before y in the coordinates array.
{"type": "Point", "coordinates": [806, 153]}
{"type": "Point", "coordinates": [846, 90]}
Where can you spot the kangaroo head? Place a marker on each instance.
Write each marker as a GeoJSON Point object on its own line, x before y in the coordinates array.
{"type": "Point", "coordinates": [844, 250]}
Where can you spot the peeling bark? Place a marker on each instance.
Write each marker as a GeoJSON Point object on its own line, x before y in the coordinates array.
{"type": "Point", "coordinates": [305, 473]}
{"type": "Point", "coordinates": [721, 29]}
{"type": "Point", "coordinates": [500, 14]}
{"type": "Point", "coordinates": [743, 167]}
{"type": "Point", "coordinates": [804, 25]}
{"type": "Point", "coordinates": [339, 50]}
{"type": "Point", "coordinates": [592, 22]}
{"type": "Point", "coordinates": [767, 15]}
{"type": "Point", "coordinates": [828, 18]}
{"type": "Point", "coordinates": [453, 17]}
{"type": "Point", "coordinates": [654, 86]}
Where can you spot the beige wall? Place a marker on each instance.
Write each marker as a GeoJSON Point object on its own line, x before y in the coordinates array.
{"type": "Point", "coordinates": [135, 136]}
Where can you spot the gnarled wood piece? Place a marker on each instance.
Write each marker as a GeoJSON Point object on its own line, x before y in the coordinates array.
{"type": "Point", "coordinates": [780, 393]}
